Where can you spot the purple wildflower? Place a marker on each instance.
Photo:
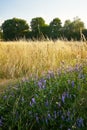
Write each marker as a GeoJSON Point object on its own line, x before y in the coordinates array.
{"type": "Point", "coordinates": [42, 83]}
{"type": "Point", "coordinates": [79, 122]}
{"type": "Point", "coordinates": [30, 103]}
{"type": "Point", "coordinates": [61, 126]}
{"type": "Point", "coordinates": [1, 122]}
{"type": "Point", "coordinates": [46, 121]}
{"type": "Point", "coordinates": [73, 84]}
{"type": "Point", "coordinates": [33, 101]}
{"type": "Point", "coordinates": [62, 117]}
{"type": "Point", "coordinates": [37, 118]}
{"type": "Point", "coordinates": [63, 97]}
{"type": "Point", "coordinates": [50, 74]}
{"type": "Point", "coordinates": [77, 67]}
{"type": "Point", "coordinates": [55, 114]}
{"type": "Point", "coordinates": [59, 104]}
{"type": "Point", "coordinates": [68, 113]}
{"type": "Point", "coordinates": [59, 113]}
{"type": "Point", "coordinates": [49, 116]}
{"type": "Point", "coordinates": [67, 94]}
{"type": "Point", "coordinates": [47, 103]}
{"type": "Point", "coordinates": [68, 116]}
{"type": "Point", "coordinates": [5, 96]}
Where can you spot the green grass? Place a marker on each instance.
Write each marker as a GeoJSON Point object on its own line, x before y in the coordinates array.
{"type": "Point", "coordinates": [56, 101]}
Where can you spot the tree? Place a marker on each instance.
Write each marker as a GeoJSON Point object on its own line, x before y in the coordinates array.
{"type": "Point", "coordinates": [1, 34]}
{"type": "Point", "coordinates": [84, 32]}
{"type": "Point", "coordinates": [55, 26]}
{"type": "Point", "coordinates": [14, 29]}
{"type": "Point", "coordinates": [67, 24]}
{"type": "Point", "coordinates": [77, 25]}
{"type": "Point", "coordinates": [67, 30]}
{"type": "Point", "coordinates": [71, 30]}
{"type": "Point", "coordinates": [36, 25]}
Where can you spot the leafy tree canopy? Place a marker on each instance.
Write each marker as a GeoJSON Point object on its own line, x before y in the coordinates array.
{"type": "Point", "coordinates": [55, 26]}
{"type": "Point", "coordinates": [56, 22]}
{"type": "Point", "coordinates": [77, 24]}
{"type": "Point", "coordinates": [37, 23]}
{"type": "Point", "coordinates": [14, 28]}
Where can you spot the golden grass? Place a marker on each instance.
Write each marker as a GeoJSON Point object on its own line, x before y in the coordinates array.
{"type": "Point", "coordinates": [22, 58]}
{"type": "Point", "coordinates": [4, 83]}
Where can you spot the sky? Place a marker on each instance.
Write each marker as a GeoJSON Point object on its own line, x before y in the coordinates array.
{"type": "Point", "coordinates": [47, 9]}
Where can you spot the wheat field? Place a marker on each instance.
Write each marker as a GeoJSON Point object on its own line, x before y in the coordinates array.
{"type": "Point", "coordinates": [22, 58]}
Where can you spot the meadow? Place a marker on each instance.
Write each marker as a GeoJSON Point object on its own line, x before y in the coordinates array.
{"type": "Point", "coordinates": [18, 59]}
{"type": "Point", "coordinates": [43, 85]}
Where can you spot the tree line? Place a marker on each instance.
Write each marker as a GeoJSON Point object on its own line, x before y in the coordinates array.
{"type": "Point", "coordinates": [15, 29]}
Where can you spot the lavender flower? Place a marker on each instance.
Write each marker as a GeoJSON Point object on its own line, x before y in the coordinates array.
{"type": "Point", "coordinates": [79, 122]}
{"type": "Point", "coordinates": [1, 122]}
{"type": "Point", "coordinates": [62, 117]}
{"type": "Point", "coordinates": [47, 103]}
{"type": "Point", "coordinates": [30, 103]}
{"type": "Point", "coordinates": [46, 121]}
{"type": "Point", "coordinates": [42, 83]}
{"type": "Point", "coordinates": [55, 114]}
{"type": "Point", "coordinates": [33, 101]}
{"type": "Point", "coordinates": [73, 84]}
{"type": "Point", "coordinates": [61, 126]}
{"type": "Point", "coordinates": [49, 116]}
{"type": "Point", "coordinates": [50, 74]}
{"type": "Point", "coordinates": [5, 96]}
{"type": "Point", "coordinates": [63, 97]}
{"type": "Point", "coordinates": [37, 118]}
{"type": "Point", "coordinates": [59, 104]}
{"type": "Point", "coordinates": [68, 113]}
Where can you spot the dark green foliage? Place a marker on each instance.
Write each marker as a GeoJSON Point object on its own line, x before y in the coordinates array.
{"type": "Point", "coordinates": [55, 27]}
{"type": "Point", "coordinates": [14, 29]}
{"type": "Point", "coordinates": [46, 31]}
{"type": "Point", "coordinates": [1, 34]}
{"type": "Point", "coordinates": [36, 25]}
{"type": "Point", "coordinates": [71, 30]}
{"type": "Point", "coordinates": [85, 33]}
{"type": "Point", "coordinates": [54, 102]}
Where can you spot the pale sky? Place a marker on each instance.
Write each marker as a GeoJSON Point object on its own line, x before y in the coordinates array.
{"type": "Point", "coordinates": [47, 9]}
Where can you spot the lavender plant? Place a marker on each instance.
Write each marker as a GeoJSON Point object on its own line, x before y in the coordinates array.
{"type": "Point", "coordinates": [53, 102]}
